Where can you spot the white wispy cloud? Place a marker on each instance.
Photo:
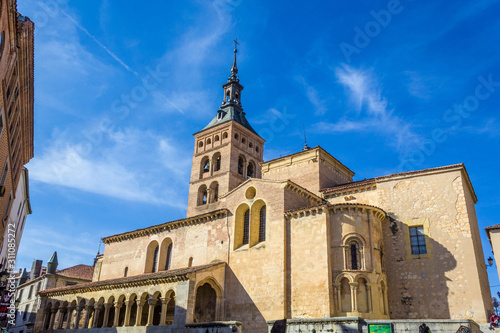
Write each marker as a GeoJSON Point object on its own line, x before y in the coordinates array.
{"type": "Point", "coordinates": [372, 110]}
{"type": "Point", "coordinates": [313, 96]}
{"type": "Point", "coordinates": [116, 168]}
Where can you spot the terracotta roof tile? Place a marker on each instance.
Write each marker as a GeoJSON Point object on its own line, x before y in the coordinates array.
{"type": "Point", "coordinates": [84, 272]}
{"type": "Point", "coordinates": [135, 278]}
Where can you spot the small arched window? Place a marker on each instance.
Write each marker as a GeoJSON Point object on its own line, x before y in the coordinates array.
{"type": "Point", "coordinates": [246, 226]}
{"type": "Point", "coordinates": [217, 160]}
{"type": "Point", "coordinates": [125, 272]}
{"type": "Point", "coordinates": [155, 259]}
{"type": "Point", "coordinates": [169, 257]}
{"type": "Point", "coordinates": [224, 135]}
{"type": "Point", "coordinates": [355, 255]}
{"type": "Point", "coordinates": [190, 262]}
{"type": "Point", "coordinates": [251, 170]}
{"type": "Point", "coordinates": [250, 144]}
{"type": "Point", "coordinates": [241, 165]}
{"type": "Point", "coordinates": [243, 140]}
{"type": "Point", "coordinates": [214, 192]}
{"type": "Point", "coordinates": [200, 144]}
{"type": "Point", "coordinates": [257, 148]}
{"type": "Point", "coordinates": [209, 141]}
{"type": "Point", "coordinates": [206, 165]}
{"type": "Point", "coordinates": [216, 138]}
{"type": "Point", "coordinates": [202, 195]}
{"type": "Point", "coordinates": [262, 224]}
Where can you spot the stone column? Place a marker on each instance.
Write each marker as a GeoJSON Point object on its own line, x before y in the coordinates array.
{"type": "Point", "coordinates": [88, 308]}
{"type": "Point", "coordinates": [107, 306]}
{"type": "Point", "coordinates": [62, 311]}
{"type": "Point", "coordinates": [152, 302]}
{"type": "Point", "coordinates": [118, 306]}
{"type": "Point", "coordinates": [211, 167]}
{"type": "Point", "coordinates": [97, 308]}
{"type": "Point", "coordinates": [53, 312]}
{"type": "Point", "coordinates": [386, 301]}
{"type": "Point", "coordinates": [164, 304]}
{"type": "Point", "coordinates": [354, 296]}
{"type": "Point", "coordinates": [77, 316]}
{"type": "Point", "coordinates": [128, 307]}
{"type": "Point", "coordinates": [138, 317]}
{"type": "Point", "coordinates": [70, 312]}
{"type": "Point", "coordinates": [371, 287]}
{"type": "Point", "coordinates": [336, 287]}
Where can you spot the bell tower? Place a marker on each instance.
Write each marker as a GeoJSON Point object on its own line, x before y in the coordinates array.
{"type": "Point", "coordinates": [227, 151]}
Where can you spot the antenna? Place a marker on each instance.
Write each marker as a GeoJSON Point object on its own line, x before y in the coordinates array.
{"type": "Point", "coordinates": [306, 147]}
{"type": "Point", "coordinates": [99, 250]}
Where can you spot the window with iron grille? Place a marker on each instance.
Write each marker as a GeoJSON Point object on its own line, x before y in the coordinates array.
{"type": "Point", "coordinates": [417, 240]}
{"type": "Point", "coordinates": [262, 224]}
{"type": "Point", "coordinates": [246, 226]}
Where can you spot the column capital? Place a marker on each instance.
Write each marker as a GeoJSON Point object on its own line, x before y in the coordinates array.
{"type": "Point", "coordinates": [152, 301]}
{"type": "Point", "coordinates": [54, 310]}
{"type": "Point", "coordinates": [119, 304]}
{"type": "Point", "coordinates": [71, 308]}
{"type": "Point", "coordinates": [97, 306]}
{"type": "Point", "coordinates": [108, 305]}
{"type": "Point", "coordinates": [165, 300]}
{"type": "Point", "coordinates": [140, 302]}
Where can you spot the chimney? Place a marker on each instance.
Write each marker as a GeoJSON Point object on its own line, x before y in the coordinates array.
{"type": "Point", "coordinates": [36, 269]}
{"type": "Point", "coordinates": [23, 277]}
{"type": "Point", "coordinates": [52, 264]}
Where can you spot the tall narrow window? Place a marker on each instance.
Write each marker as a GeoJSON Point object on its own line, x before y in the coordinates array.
{"type": "Point", "coordinates": [155, 259]}
{"type": "Point", "coordinates": [169, 257]}
{"type": "Point", "coordinates": [262, 224]}
{"type": "Point", "coordinates": [241, 165]}
{"type": "Point", "coordinates": [250, 170]}
{"type": "Point", "coordinates": [246, 226]}
{"type": "Point", "coordinates": [354, 257]}
{"type": "Point", "coordinates": [206, 166]}
{"type": "Point", "coordinates": [417, 240]}
{"type": "Point", "coordinates": [125, 272]}
{"type": "Point", "coordinates": [190, 262]}
{"type": "Point", "coordinates": [202, 195]}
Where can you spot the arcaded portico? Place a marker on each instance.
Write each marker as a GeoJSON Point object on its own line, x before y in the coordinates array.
{"type": "Point", "coordinates": [157, 299]}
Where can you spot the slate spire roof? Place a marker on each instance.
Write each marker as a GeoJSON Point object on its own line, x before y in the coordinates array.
{"type": "Point", "coordinates": [231, 108]}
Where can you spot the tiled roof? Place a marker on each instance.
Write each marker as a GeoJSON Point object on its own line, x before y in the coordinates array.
{"type": "Point", "coordinates": [106, 284]}
{"type": "Point", "coordinates": [375, 179]}
{"type": "Point", "coordinates": [227, 114]}
{"type": "Point", "coordinates": [84, 272]}
{"type": "Point", "coordinates": [491, 227]}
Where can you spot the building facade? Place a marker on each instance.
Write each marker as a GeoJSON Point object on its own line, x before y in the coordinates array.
{"type": "Point", "coordinates": [27, 298]}
{"type": "Point", "coordinates": [293, 238]}
{"type": "Point", "coordinates": [16, 111]}
{"type": "Point", "coordinates": [17, 219]}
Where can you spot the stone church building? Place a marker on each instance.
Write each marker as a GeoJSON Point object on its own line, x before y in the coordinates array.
{"type": "Point", "coordinates": [294, 237]}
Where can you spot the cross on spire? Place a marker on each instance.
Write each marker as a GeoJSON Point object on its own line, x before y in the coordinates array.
{"type": "Point", "coordinates": [234, 69]}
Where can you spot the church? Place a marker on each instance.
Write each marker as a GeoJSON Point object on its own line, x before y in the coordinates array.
{"type": "Point", "coordinates": [292, 238]}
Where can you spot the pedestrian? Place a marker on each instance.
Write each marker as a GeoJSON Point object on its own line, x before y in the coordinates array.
{"type": "Point", "coordinates": [424, 328]}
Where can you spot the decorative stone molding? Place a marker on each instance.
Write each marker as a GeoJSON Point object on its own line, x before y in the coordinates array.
{"type": "Point", "coordinates": [198, 219]}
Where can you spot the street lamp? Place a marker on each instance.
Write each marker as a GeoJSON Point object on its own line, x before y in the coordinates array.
{"type": "Point", "coordinates": [490, 262]}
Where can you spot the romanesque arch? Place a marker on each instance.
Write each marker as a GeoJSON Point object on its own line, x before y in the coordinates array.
{"type": "Point", "coordinates": [151, 264]}
{"type": "Point", "coordinates": [241, 225]}
{"type": "Point", "coordinates": [165, 260]}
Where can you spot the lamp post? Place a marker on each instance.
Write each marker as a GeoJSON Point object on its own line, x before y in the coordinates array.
{"type": "Point", "coordinates": [490, 262]}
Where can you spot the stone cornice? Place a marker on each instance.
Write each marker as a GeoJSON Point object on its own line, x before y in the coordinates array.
{"type": "Point", "coordinates": [202, 218]}
{"type": "Point", "coordinates": [171, 276]}
{"type": "Point", "coordinates": [356, 207]}
{"type": "Point", "coordinates": [288, 184]}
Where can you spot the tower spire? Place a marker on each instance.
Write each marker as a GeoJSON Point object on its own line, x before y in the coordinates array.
{"type": "Point", "coordinates": [306, 147]}
{"type": "Point", "coordinates": [234, 69]}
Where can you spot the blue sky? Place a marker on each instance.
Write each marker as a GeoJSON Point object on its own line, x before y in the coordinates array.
{"type": "Point", "coordinates": [384, 86]}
